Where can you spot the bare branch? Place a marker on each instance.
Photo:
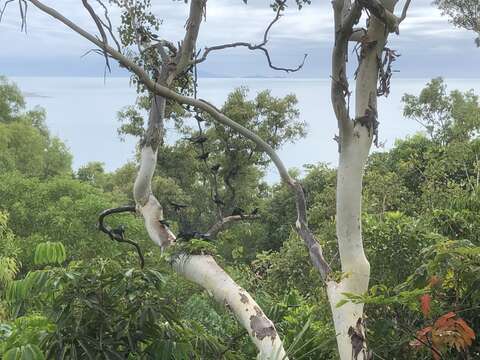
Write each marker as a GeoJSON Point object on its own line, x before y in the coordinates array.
{"type": "Point", "coordinates": [404, 11]}
{"type": "Point", "coordinates": [4, 8]}
{"type": "Point", "coordinates": [221, 225]}
{"type": "Point", "coordinates": [108, 25]}
{"type": "Point", "coordinates": [99, 24]}
{"type": "Point", "coordinates": [23, 7]}
{"type": "Point", "coordinates": [23, 13]}
{"type": "Point", "coordinates": [260, 46]}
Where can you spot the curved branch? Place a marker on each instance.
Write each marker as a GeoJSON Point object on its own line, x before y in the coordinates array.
{"type": "Point", "coordinates": [302, 222]}
{"type": "Point", "coordinates": [119, 233]}
{"type": "Point", "coordinates": [221, 225]}
{"type": "Point", "coordinates": [204, 271]}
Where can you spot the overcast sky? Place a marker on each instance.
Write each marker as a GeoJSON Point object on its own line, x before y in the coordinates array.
{"type": "Point", "coordinates": [429, 45]}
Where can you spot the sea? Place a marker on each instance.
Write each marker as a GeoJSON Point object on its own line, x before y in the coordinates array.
{"type": "Point", "coordinates": [82, 111]}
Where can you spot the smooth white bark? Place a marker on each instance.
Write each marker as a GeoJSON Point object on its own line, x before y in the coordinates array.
{"type": "Point", "coordinates": [355, 266]}
{"type": "Point", "coordinates": [204, 271]}
{"type": "Point", "coordinates": [354, 144]}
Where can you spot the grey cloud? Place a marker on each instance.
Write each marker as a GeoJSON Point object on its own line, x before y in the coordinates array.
{"type": "Point", "coordinates": [50, 48]}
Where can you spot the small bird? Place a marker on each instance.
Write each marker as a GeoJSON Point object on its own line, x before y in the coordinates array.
{"type": "Point", "coordinates": [238, 211]}
{"type": "Point", "coordinates": [218, 201]}
{"type": "Point", "coordinates": [203, 156]}
{"type": "Point", "coordinates": [215, 168]}
{"type": "Point", "coordinates": [184, 236]}
{"type": "Point", "coordinates": [199, 118]}
{"type": "Point", "coordinates": [164, 222]}
{"type": "Point", "coordinates": [187, 236]}
{"type": "Point", "coordinates": [200, 139]}
{"type": "Point", "coordinates": [177, 206]}
{"type": "Point", "coordinates": [118, 233]}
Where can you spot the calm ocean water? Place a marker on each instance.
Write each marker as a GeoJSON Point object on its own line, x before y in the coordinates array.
{"type": "Point", "coordinates": [82, 112]}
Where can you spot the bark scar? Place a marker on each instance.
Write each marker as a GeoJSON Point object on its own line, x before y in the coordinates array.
{"type": "Point", "coordinates": [369, 120]}
{"type": "Point", "coordinates": [243, 298]}
{"type": "Point", "coordinates": [261, 326]}
{"type": "Point", "coordinates": [358, 340]}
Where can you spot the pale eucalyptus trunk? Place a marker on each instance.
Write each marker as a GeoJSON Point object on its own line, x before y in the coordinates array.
{"type": "Point", "coordinates": [355, 141]}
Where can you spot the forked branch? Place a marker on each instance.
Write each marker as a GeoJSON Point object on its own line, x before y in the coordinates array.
{"type": "Point", "coordinates": [261, 46]}
{"type": "Point", "coordinates": [23, 8]}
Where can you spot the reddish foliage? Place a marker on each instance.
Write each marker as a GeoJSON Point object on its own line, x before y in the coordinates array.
{"type": "Point", "coordinates": [434, 281]}
{"type": "Point", "coordinates": [425, 304]}
{"type": "Point", "coordinates": [449, 331]}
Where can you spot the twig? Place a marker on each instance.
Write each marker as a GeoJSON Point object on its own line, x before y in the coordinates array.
{"type": "Point", "coordinates": [4, 8]}
{"type": "Point", "coordinates": [99, 24]}
{"type": "Point", "coordinates": [404, 11]}
{"type": "Point", "coordinates": [108, 25]}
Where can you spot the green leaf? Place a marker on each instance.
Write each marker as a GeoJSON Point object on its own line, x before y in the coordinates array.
{"type": "Point", "coordinates": [50, 253]}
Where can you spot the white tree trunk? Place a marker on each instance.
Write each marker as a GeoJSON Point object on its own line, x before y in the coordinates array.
{"type": "Point", "coordinates": [355, 267]}
{"type": "Point", "coordinates": [354, 145]}
{"type": "Point", "coordinates": [204, 271]}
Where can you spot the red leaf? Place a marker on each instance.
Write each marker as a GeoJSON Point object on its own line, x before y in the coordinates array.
{"type": "Point", "coordinates": [443, 320]}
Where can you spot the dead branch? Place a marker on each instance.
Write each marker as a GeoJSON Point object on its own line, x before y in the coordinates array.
{"type": "Point", "coordinates": [23, 7]}
{"type": "Point", "coordinates": [261, 46]}
{"type": "Point", "coordinates": [108, 25]}
{"type": "Point", "coordinates": [404, 11]}
{"type": "Point", "coordinates": [99, 25]}
{"type": "Point", "coordinates": [221, 225]}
